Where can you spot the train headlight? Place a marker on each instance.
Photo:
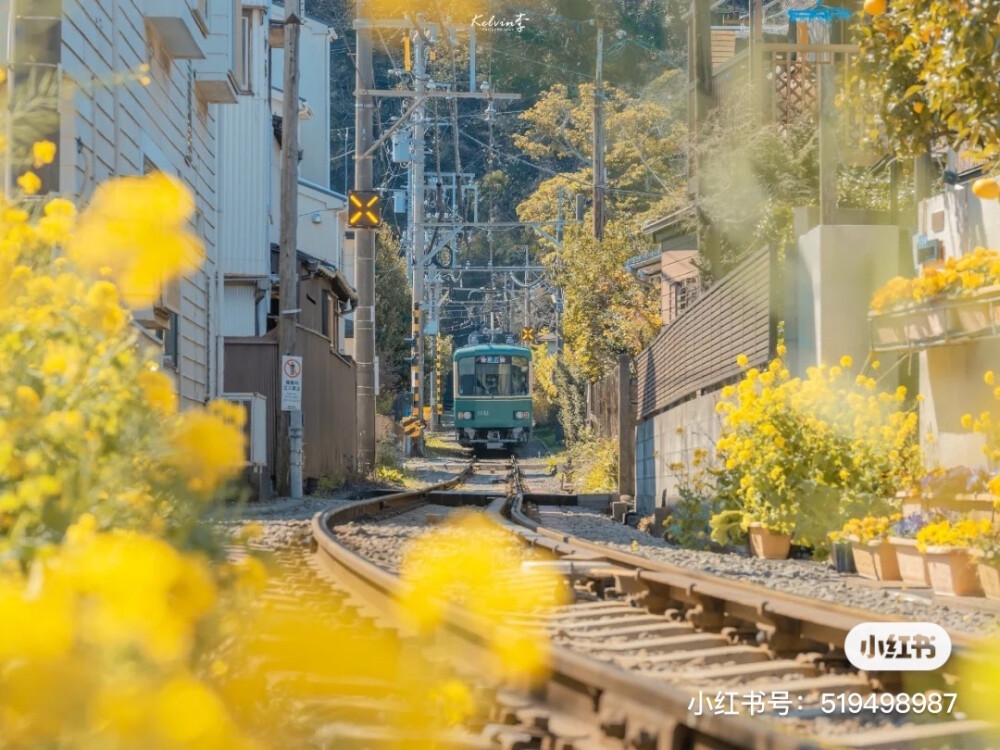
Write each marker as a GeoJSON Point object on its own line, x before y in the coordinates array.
{"type": "Point", "coordinates": [465, 415]}
{"type": "Point", "coordinates": [520, 415]}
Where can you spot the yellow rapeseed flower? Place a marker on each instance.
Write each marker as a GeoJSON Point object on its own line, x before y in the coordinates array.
{"type": "Point", "coordinates": [44, 152]}
{"type": "Point", "coordinates": [137, 227]}
{"type": "Point", "coordinates": [158, 390]}
{"type": "Point", "coordinates": [30, 183]}
{"type": "Point", "coordinates": [967, 421]}
{"type": "Point", "coordinates": [989, 378]}
{"type": "Point", "coordinates": [207, 450]}
{"type": "Point", "coordinates": [742, 360]}
{"type": "Point", "coordinates": [27, 398]}
{"type": "Point", "coordinates": [846, 361]}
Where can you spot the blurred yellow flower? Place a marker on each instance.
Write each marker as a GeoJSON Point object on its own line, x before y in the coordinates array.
{"type": "Point", "coordinates": [846, 361]}
{"type": "Point", "coordinates": [137, 227]}
{"type": "Point", "coordinates": [43, 152]}
{"type": "Point", "coordinates": [742, 360]}
{"type": "Point", "coordinates": [989, 378]}
{"type": "Point", "coordinates": [30, 183]}
{"type": "Point", "coordinates": [206, 449]}
{"type": "Point", "coordinates": [158, 390]}
{"type": "Point", "coordinates": [461, 562]}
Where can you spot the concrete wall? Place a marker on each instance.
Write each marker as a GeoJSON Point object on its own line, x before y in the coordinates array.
{"type": "Point", "coordinates": [671, 437]}
{"type": "Point", "coordinates": [951, 375]}
{"type": "Point", "coordinates": [840, 267]}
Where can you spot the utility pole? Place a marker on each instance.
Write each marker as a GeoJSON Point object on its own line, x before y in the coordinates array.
{"type": "Point", "coordinates": [417, 161]}
{"type": "Point", "coordinates": [435, 396]}
{"type": "Point", "coordinates": [289, 449]}
{"type": "Point", "coordinates": [364, 244]}
{"type": "Point", "coordinates": [599, 138]}
{"type": "Point", "coordinates": [527, 290]}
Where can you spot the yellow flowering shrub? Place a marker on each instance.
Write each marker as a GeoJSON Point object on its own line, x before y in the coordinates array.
{"type": "Point", "coordinates": [802, 455]}
{"type": "Point", "coordinates": [122, 624]}
{"type": "Point", "coordinates": [946, 533]}
{"type": "Point", "coordinates": [956, 276]}
{"type": "Point", "coordinates": [985, 425]}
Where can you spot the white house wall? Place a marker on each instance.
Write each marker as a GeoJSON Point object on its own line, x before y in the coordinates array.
{"type": "Point", "coordinates": [112, 123]}
{"type": "Point", "coordinates": [319, 229]}
{"type": "Point", "coordinates": [314, 87]}
{"type": "Point", "coordinates": [245, 136]}
{"type": "Point", "coordinates": [239, 311]}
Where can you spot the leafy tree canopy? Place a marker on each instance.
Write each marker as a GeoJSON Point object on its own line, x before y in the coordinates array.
{"type": "Point", "coordinates": [392, 316]}
{"type": "Point", "coordinates": [928, 71]}
{"type": "Point", "coordinates": [607, 311]}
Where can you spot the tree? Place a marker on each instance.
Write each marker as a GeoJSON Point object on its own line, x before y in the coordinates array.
{"type": "Point", "coordinates": [644, 140]}
{"type": "Point", "coordinates": [927, 71]}
{"type": "Point", "coordinates": [392, 317]}
{"type": "Point", "coordinates": [608, 311]}
{"type": "Point", "coordinates": [752, 176]}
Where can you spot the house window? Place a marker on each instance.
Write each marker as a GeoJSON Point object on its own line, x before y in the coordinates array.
{"type": "Point", "coordinates": [170, 337]}
{"type": "Point", "coordinates": [331, 322]}
{"type": "Point", "coordinates": [242, 58]}
{"type": "Point", "coordinates": [685, 293]}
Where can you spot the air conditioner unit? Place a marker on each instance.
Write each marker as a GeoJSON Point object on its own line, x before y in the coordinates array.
{"type": "Point", "coordinates": [256, 426]}
{"type": "Point", "coordinates": [926, 250]}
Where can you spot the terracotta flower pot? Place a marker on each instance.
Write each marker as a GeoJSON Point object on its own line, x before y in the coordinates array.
{"type": "Point", "coordinates": [911, 563]}
{"type": "Point", "coordinates": [988, 572]}
{"type": "Point", "coordinates": [887, 330]}
{"type": "Point", "coordinates": [767, 544]}
{"type": "Point", "coordinates": [875, 560]}
{"type": "Point", "coordinates": [970, 318]}
{"type": "Point", "coordinates": [926, 322]}
{"type": "Point", "coordinates": [952, 571]}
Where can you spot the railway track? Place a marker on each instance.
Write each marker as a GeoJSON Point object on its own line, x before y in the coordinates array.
{"type": "Point", "coordinates": [644, 651]}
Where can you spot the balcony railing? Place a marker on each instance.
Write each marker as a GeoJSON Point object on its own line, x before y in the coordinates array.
{"type": "Point", "coordinates": [948, 320]}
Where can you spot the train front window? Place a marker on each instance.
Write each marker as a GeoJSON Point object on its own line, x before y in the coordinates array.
{"type": "Point", "coordinates": [493, 375]}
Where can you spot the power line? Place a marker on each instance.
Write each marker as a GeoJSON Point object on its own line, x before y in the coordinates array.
{"type": "Point", "coordinates": [552, 172]}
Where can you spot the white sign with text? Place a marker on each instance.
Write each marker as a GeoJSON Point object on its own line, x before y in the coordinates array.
{"type": "Point", "coordinates": [291, 383]}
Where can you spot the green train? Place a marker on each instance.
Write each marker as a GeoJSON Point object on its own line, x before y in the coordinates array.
{"type": "Point", "coordinates": [493, 396]}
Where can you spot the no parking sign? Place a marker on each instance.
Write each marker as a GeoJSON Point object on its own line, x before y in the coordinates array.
{"type": "Point", "coordinates": [291, 383]}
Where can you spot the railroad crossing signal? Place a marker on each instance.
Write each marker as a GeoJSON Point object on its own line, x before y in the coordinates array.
{"type": "Point", "coordinates": [528, 335]}
{"type": "Point", "coordinates": [412, 427]}
{"type": "Point", "coordinates": [364, 209]}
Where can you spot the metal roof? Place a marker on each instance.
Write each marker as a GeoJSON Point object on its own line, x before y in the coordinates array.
{"type": "Point", "coordinates": [468, 351]}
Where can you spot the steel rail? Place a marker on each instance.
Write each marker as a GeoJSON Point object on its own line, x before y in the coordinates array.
{"type": "Point", "coordinates": [810, 619]}
{"type": "Point", "coordinates": [628, 709]}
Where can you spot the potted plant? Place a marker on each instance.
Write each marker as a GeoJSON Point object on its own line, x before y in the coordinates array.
{"type": "Point", "coordinates": [768, 531]}
{"type": "Point", "coordinates": [770, 542]}
{"type": "Point", "coordinates": [909, 560]}
{"type": "Point", "coordinates": [946, 545]}
{"type": "Point", "coordinates": [843, 554]}
{"type": "Point", "coordinates": [874, 557]}
{"type": "Point", "coordinates": [986, 555]}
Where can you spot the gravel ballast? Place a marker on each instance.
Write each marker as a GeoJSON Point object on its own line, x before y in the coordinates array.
{"type": "Point", "coordinates": [382, 541]}
{"type": "Point", "coordinates": [801, 577]}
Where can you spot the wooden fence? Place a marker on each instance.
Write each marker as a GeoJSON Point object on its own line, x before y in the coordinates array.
{"type": "Point", "coordinates": [329, 397]}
